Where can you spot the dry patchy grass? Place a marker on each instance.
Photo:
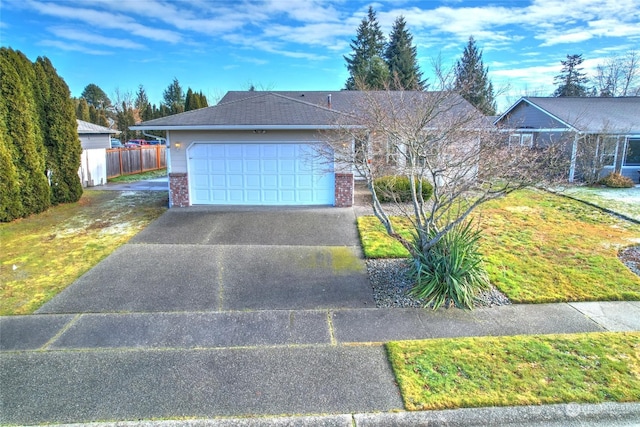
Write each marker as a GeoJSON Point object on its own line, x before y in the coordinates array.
{"type": "Point", "coordinates": [43, 254]}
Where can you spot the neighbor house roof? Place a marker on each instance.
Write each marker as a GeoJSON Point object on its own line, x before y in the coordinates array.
{"type": "Point", "coordinates": [288, 110]}
{"type": "Point", "coordinates": [86, 127]}
{"type": "Point", "coordinates": [588, 114]}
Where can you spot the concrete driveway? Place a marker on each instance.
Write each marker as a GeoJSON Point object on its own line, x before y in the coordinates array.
{"type": "Point", "coordinates": [222, 259]}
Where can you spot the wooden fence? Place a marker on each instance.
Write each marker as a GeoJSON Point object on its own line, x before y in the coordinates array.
{"type": "Point", "coordinates": [127, 161]}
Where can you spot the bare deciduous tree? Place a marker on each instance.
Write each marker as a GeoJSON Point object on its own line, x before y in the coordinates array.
{"type": "Point", "coordinates": [618, 75]}
{"type": "Point", "coordinates": [440, 137]}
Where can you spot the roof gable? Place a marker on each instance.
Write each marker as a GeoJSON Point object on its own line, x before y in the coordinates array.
{"type": "Point", "coordinates": [585, 114]}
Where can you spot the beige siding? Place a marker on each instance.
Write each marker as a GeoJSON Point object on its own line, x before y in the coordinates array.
{"type": "Point", "coordinates": [186, 138]}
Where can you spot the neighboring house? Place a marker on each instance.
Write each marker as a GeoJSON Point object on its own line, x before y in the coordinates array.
{"type": "Point", "coordinates": [257, 148]}
{"type": "Point", "coordinates": [601, 134]}
{"type": "Point", "coordinates": [95, 141]}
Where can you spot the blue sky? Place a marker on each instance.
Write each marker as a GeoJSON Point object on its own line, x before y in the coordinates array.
{"type": "Point", "coordinates": [216, 45]}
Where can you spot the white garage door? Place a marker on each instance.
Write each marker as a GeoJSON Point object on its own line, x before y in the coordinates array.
{"type": "Point", "coordinates": [258, 174]}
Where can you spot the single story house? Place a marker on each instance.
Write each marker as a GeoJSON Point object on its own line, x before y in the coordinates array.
{"type": "Point", "coordinates": [257, 148]}
{"type": "Point", "coordinates": [602, 134]}
{"type": "Point", "coordinates": [95, 141]}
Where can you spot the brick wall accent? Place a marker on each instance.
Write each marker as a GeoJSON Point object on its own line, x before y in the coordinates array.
{"type": "Point", "coordinates": [344, 190]}
{"type": "Point", "coordinates": [179, 190]}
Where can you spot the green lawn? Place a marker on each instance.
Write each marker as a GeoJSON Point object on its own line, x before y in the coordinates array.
{"type": "Point", "coordinates": [519, 370]}
{"type": "Point", "coordinates": [43, 254]}
{"type": "Point", "coordinates": [539, 247]}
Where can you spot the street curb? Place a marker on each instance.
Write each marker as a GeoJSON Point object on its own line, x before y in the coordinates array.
{"type": "Point", "coordinates": [570, 414]}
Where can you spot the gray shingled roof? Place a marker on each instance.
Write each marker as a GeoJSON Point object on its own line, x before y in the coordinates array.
{"type": "Point", "coordinates": [86, 127]}
{"type": "Point", "coordinates": [284, 109]}
{"type": "Point", "coordinates": [594, 114]}
{"type": "Point", "coordinates": [256, 109]}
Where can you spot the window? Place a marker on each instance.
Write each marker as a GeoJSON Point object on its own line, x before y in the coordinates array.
{"type": "Point", "coordinates": [608, 150]}
{"type": "Point", "coordinates": [523, 139]}
{"type": "Point", "coordinates": [393, 151]}
{"type": "Point", "coordinates": [632, 155]}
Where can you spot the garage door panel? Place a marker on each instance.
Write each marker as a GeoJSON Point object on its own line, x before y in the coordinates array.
{"type": "Point", "coordinates": [270, 166]}
{"type": "Point", "coordinates": [258, 174]}
{"type": "Point", "coordinates": [269, 151]}
{"type": "Point", "coordinates": [253, 181]}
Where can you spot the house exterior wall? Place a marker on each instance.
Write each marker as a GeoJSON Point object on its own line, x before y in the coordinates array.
{"type": "Point", "coordinates": [528, 116]}
{"type": "Point", "coordinates": [95, 140]}
{"type": "Point", "coordinates": [93, 167]}
{"type": "Point", "coordinates": [186, 138]}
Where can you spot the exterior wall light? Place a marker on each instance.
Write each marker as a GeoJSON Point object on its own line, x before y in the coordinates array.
{"type": "Point", "coordinates": [177, 145]}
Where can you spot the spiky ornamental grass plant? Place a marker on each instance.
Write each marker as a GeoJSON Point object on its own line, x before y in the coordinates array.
{"type": "Point", "coordinates": [451, 271]}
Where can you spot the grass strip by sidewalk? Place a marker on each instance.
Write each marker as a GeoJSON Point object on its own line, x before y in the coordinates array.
{"type": "Point", "coordinates": [517, 370]}
{"type": "Point", "coordinates": [539, 247]}
{"type": "Point", "coordinates": [43, 254]}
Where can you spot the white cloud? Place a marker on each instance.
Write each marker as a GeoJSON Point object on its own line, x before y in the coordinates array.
{"type": "Point", "coordinates": [86, 37]}
{"type": "Point", "coordinates": [73, 47]}
{"type": "Point", "coordinates": [100, 19]}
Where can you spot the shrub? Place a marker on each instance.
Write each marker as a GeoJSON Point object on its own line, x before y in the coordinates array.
{"type": "Point", "coordinates": [451, 271]}
{"type": "Point", "coordinates": [397, 189]}
{"type": "Point", "coordinates": [616, 180]}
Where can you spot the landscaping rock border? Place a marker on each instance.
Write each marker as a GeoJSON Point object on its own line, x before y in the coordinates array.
{"type": "Point", "coordinates": [631, 258]}
{"type": "Point", "coordinates": [391, 286]}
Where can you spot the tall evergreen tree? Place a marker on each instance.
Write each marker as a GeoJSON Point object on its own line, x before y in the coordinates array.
{"type": "Point", "coordinates": [402, 58]}
{"type": "Point", "coordinates": [10, 200]}
{"type": "Point", "coordinates": [472, 80]}
{"type": "Point", "coordinates": [82, 110]}
{"type": "Point", "coordinates": [125, 118]}
{"type": "Point", "coordinates": [141, 102]}
{"type": "Point", "coordinates": [572, 80]}
{"type": "Point", "coordinates": [24, 136]}
{"type": "Point", "coordinates": [190, 102]}
{"type": "Point", "coordinates": [96, 97]}
{"type": "Point", "coordinates": [60, 131]}
{"type": "Point", "coordinates": [364, 64]}
{"type": "Point", "coordinates": [203, 100]}
{"type": "Point", "coordinates": [174, 97]}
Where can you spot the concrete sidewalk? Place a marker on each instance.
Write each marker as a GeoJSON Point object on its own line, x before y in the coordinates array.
{"type": "Point", "coordinates": [70, 368]}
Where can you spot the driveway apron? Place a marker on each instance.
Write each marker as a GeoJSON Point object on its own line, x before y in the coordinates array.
{"type": "Point", "coordinates": [221, 259]}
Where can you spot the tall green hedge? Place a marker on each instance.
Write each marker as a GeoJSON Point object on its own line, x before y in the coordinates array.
{"type": "Point", "coordinates": [38, 133]}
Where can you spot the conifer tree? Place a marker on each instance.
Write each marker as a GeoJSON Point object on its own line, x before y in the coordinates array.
{"type": "Point", "coordinates": [472, 81]}
{"type": "Point", "coordinates": [60, 132]}
{"type": "Point", "coordinates": [174, 97]}
{"type": "Point", "coordinates": [24, 137]}
{"type": "Point", "coordinates": [572, 80]}
{"type": "Point", "coordinates": [365, 64]}
{"type": "Point", "coordinates": [10, 201]}
{"type": "Point", "coordinates": [402, 58]}
{"type": "Point", "coordinates": [82, 110]}
{"type": "Point", "coordinates": [96, 97]}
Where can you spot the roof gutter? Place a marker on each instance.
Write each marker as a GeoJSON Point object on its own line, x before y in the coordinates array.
{"type": "Point", "coordinates": [242, 127]}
